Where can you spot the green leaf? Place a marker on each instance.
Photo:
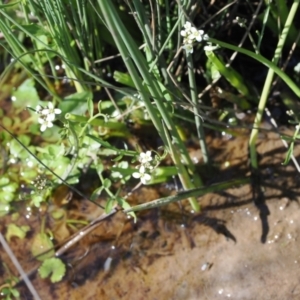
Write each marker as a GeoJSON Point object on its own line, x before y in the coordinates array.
{"type": "Point", "coordinates": [109, 205]}
{"type": "Point", "coordinates": [106, 183]}
{"type": "Point", "coordinates": [42, 247]}
{"type": "Point", "coordinates": [289, 154]}
{"type": "Point", "coordinates": [90, 104]}
{"type": "Point", "coordinates": [14, 230]}
{"type": "Point", "coordinates": [26, 95]}
{"type": "Point", "coordinates": [17, 150]}
{"type": "Point", "coordinates": [4, 181]}
{"type": "Point", "coordinates": [75, 103]}
{"type": "Point", "coordinates": [58, 214]}
{"type": "Point", "coordinates": [7, 122]}
{"type": "Point", "coordinates": [123, 78]}
{"type": "Point", "coordinates": [5, 197]}
{"type": "Point", "coordinates": [55, 266]}
{"type": "Point", "coordinates": [7, 190]}
{"type": "Point", "coordinates": [126, 206]}
{"type": "Point", "coordinates": [37, 199]}
{"type": "Point", "coordinates": [100, 168]}
{"type": "Point", "coordinates": [231, 75]}
{"type": "Point", "coordinates": [5, 291]}
{"type": "Point", "coordinates": [34, 29]}
{"type": "Point", "coordinates": [15, 292]}
{"type": "Point", "coordinates": [4, 209]}
{"type": "Point", "coordinates": [51, 151]}
{"type": "Point", "coordinates": [118, 158]}
{"type": "Point", "coordinates": [96, 193]}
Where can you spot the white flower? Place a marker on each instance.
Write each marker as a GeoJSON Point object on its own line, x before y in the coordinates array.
{"type": "Point", "coordinates": [210, 47]}
{"type": "Point", "coordinates": [188, 48]}
{"type": "Point", "coordinates": [187, 26]}
{"type": "Point", "coordinates": [45, 123]}
{"type": "Point", "coordinates": [142, 175]}
{"type": "Point", "coordinates": [145, 158]}
{"type": "Point", "coordinates": [191, 35]}
{"type": "Point", "coordinates": [195, 34]}
{"type": "Point", "coordinates": [205, 37]}
{"type": "Point", "coordinates": [50, 112]}
{"type": "Point", "coordinates": [297, 68]}
{"type": "Point", "coordinates": [47, 115]}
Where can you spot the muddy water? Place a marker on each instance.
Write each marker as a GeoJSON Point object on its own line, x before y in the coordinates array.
{"type": "Point", "coordinates": [233, 249]}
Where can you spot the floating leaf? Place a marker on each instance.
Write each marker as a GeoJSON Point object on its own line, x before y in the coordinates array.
{"type": "Point", "coordinates": [42, 246]}
{"type": "Point", "coordinates": [14, 230]}
{"type": "Point", "coordinates": [55, 266]}
{"type": "Point", "coordinates": [7, 190]}
{"type": "Point", "coordinates": [37, 199]}
{"type": "Point", "coordinates": [17, 150]}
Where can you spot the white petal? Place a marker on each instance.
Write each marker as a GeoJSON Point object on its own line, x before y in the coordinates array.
{"type": "Point", "coordinates": [183, 33]}
{"type": "Point", "coordinates": [57, 111]}
{"type": "Point", "coordinates": [199, 38]}
{"type": "Point", "coordinates": [142, 170]}
{"type": "Point", "coordinates": [45, 111]}
{"type": "Point", "coordinates": [50, 105]}
{"type": "Point", "coordinates": [187, 25]}
{"type": "Point", "coordinates": [50, 117]}
{"type": "Point", "coordinates": [145, 178]}
{"type": "Point", "coordinates": [38, 109]}
{"type": "Point", "coordinates": [136, 175]}
{"type": "Point", "coordinates": [41, 120]}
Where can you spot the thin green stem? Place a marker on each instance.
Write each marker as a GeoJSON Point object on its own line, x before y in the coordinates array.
{"type": "Point", "coordinates": [268, 84]}
{"type": "Point", "coordinates": [198, 119]}
{"type": "Point", "coordinates": [293, 86]}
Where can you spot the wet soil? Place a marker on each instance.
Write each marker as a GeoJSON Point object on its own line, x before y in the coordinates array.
{"type": "Point", "coordinates": [238, 247]}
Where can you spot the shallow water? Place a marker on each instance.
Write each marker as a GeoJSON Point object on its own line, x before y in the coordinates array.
{"type": "Point", "coordinates": [233, 249]}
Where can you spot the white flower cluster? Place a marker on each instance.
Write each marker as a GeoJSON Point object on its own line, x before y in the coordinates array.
{"type": "Point", "coordinates": [145, 160]}
{"type": "Point", "coordinates": [47, 115]}
{"type": "Point", "coordinates": [190, 35]}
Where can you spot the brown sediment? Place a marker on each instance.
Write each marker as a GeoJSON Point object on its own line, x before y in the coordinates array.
{"type": "Point", "coordinates": [232, 249]}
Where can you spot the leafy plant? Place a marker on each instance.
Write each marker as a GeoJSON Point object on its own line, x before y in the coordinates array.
{"type": "Point", "coordinates": [54, 267]}
{"type": "Point", "coordinates": [119, 91]}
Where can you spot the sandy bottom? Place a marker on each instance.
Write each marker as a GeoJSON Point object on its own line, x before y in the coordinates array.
{"type": "Point", "coordinates": [233, 249]}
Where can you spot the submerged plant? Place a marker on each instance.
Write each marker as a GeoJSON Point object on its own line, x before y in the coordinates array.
{"type": "Point", "coordinates": [97, 130]}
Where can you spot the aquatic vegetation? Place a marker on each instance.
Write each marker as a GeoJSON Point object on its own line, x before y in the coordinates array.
{"type": "Point", "coordinates": [108, 98]}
